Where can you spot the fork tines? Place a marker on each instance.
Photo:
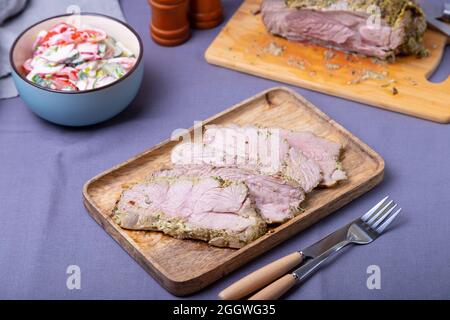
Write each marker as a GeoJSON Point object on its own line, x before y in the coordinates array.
{"type": "Point", "coordinates": [380, 216]}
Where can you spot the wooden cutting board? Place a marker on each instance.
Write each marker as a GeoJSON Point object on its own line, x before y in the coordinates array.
{"type": "Point", "coordinates": [245, 45]}
{"type": "Point", "coordinates": [185, 266]}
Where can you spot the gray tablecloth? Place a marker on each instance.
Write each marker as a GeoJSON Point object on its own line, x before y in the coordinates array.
{"type": "Point", "coordinates": [45, 228]}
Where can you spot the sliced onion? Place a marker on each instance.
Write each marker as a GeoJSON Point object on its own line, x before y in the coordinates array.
{"type": "Point", "coordinates": [125, 62]}
{"type": "Point", "coordinates": [104, 81]}
{"type": "Point", "coordinates": [27, 65]}
{"type": "Point", "coordinates": [59, 54]}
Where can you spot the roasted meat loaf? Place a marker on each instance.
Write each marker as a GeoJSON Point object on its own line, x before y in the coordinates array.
{"type": "Point", "coordinates": [379, 28]}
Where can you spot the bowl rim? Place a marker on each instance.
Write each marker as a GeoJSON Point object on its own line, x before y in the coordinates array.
{"type": "Point", "coordinates": [126, 25]}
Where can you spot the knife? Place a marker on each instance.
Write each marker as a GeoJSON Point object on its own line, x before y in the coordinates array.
{"type": "Point", "coordinates": [437, 16]}
{"type": "Point", "coordinates": [446, 16]}
{"type": "Point", "coordinates": [262, 277]}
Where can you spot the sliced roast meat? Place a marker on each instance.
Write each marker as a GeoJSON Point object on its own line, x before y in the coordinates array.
{"type": "Point", "coordinates": [276, 200]}
{"type": "Point", "coordinates": [324, 152]}
{"type": "Point", "coordinates": [257, 148]}
{"type": "Point", "coordinates": [214, 210]}
{"type": "Point", "coordinates": [304, 171]}
{"type": "Point", "coordinates": [225, 189]}
{"type": "Point", "coordinates": [300, 157]}
{"type": "Point", "coordinates": [297, 155]}
{"type": "Point", "coordinates": [376, 28]}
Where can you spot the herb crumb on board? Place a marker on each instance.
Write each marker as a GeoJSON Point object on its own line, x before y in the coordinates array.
{"type": "Point", "coordinates": [370, 74]}
{"type": "Point", "coordinates": [256, 10]}
{"type": "Point", "coordinates": [329, 54]}
{"type": "Point", "coordinates": [274, 49]}
{"type": "Point", "coordinates": [349, 57]}
{"type": "Point", "coordinates": [391, 81]}
{"type": "Point", "coordinates": [394, 91]}
{"type": "Point", "coordinates": [411, 81]}
{"type": "Point", "coordinates": [367, 74]}
{"type": "Point", "coordinates": [297, 63]}
{"type": "Point", "coordinates": [332, 66]}
{"type": "Point", "coordinates": [378, 61]}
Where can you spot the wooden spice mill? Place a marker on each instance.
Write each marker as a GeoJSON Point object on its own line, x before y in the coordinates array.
{"type": "Point", "coordinates": [172, 19]}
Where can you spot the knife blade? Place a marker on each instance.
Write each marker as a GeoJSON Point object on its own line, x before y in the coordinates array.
{"type": "Point", "coordinates": [434, 11]}
{"type": "Point", "coordinates": [326, 243]}
{"type": "Point", "coordinates": [446, 16]}
{"type": "Point", "coordinates": [315, 254]}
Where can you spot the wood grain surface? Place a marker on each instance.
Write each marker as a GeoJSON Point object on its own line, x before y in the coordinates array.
{"type": "Point", "coordinates": [186, 266]}
{"type": "Point", "coordinates": [246, 46]}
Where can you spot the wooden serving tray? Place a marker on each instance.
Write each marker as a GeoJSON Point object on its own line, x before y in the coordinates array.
{"type": "Point", "coordinates": [186, 266]}
{"type": "Point", "coordinates": [242, 45]}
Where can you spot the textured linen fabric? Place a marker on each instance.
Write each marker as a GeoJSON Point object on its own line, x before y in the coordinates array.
{"type": "Point", "coordinates": [45, 228]}
{"type": "Point", "coordinates": [9, 8]}
{"type": "Point", "coordinates": [35, 11]}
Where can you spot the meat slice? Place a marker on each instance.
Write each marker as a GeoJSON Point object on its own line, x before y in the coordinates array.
{"type": "Point", "coordinates": [378, 28]}
{"type": "Point", "coordinates": [300, 169]}
{"type": "Point", "coordinates": [275, 199]}
{"type": "Point", "coordinates": [214, 210]}
{"type": "Point", "coordinates": [324, 152]}
{"type": "Point", "coordinates": [300, 157]}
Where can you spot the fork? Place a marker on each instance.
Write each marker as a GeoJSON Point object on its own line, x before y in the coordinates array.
{"type": "Point", "coordinates": [363, 230]}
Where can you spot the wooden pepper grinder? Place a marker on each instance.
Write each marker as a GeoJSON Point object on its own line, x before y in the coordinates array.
{"type": "Point", "coordinates": [170, 21]}
{"type": "Point", "coordinates": [205, 14]}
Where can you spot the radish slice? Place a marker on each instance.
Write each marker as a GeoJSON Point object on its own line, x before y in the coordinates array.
{"type": "Point", "coordinates": [64, 84]}
{"type": "Point", "coordinates": [69, 72]}
{"type": "Point", "coordinates": [93, 35]}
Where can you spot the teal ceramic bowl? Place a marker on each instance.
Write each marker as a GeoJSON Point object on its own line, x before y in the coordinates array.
{"type": "Point", "coordinates": [79, 108]}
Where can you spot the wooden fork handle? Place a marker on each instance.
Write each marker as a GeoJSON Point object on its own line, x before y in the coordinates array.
{"type": "Point", "coordinates": [261, 277]}
{"type": "Point", "coordinates": [276, 289]}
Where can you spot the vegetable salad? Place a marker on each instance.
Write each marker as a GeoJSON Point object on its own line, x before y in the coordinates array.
{"type": "Point", "coordinates": [69, 59]}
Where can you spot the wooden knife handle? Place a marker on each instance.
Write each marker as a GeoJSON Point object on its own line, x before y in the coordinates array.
{"type": "Point", "coordinates": [276, 289]}
{"type": "Point", "coordinates": [261, 277]}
